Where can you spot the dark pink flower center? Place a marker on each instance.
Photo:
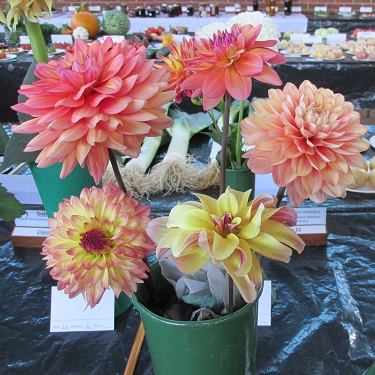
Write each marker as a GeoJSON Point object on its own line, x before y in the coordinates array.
{"type": "Point", "coordinates": [95, 241]}
{"type": "Point", "coordinates": [224, 224]}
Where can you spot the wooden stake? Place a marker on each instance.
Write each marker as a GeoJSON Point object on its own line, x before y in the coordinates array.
{"type": "Point", "coordinates": [136, 348]}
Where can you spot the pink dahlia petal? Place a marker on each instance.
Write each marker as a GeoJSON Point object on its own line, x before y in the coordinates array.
{"type": "Point", "coordinates": [79, 96]}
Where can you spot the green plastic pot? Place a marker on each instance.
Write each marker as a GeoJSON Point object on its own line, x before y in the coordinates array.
{"type": "Point", "coordinates": [53, 189]}
{"type": "Point", "coordinates": [222, 346]}
{"type": "Point", "coordinates": [240, 180]}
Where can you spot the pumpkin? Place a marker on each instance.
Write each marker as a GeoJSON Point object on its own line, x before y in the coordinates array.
{"type": "Point", "coordinates": [87, 20]}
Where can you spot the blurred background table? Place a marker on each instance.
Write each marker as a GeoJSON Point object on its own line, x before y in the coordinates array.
{"type": "Point", "coordinates": [355, 80]}
{"type": "Point", "coordinates": [323, 319]}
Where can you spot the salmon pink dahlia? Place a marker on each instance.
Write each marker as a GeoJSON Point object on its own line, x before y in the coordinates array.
{"type": "Point", "coordinates": [102, 96]}
{"type": "Point", "coordinates": [308, 137]}
{"type": "Point", "coordinates": [228, 61]}
{"type": "Point", "coordinates": [97, 242]}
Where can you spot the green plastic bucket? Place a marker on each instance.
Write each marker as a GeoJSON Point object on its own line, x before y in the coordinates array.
{"type": "Point", "coordinates": [222, 346]}
{"type": "Point", "coordinates": [240, 180]}
{"type": "Point", "coordinates": [53, 189]}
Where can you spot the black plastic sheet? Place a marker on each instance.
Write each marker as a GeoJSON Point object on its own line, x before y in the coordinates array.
{"type": "Point", "coordinates": [323, 319]}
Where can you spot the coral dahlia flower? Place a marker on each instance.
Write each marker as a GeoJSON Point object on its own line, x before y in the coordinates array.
{"type": "Point", "coordinates": [228, 61]}
{"type": "Point", "coordinates": [230, 230]}
{"type": "Point", "coordinates": [102, 96]}
{"type": "Point", "coordinates": [176, 64]}
{"type": "Point", "coordinates": [30, 9]}
{"type": "Point", "coordinates": [308, 137]}
{"type": "Point", "coordinates": [97, 242]}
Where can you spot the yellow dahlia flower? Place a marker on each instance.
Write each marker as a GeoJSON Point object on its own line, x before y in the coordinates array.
{"type": "Point", "coordinates": [230, 230]}
{"type": "Point", "coordinates": [97, 242]}
{"type": "Point", "coordinates": [30, 9]}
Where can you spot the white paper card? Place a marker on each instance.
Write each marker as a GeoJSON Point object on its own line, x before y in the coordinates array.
{"type": "Point", "coordinates": [71, 314]}
{"type": "Point", "coordinates": [335, 38]}
{"type": "Point", "coordinates": [23, 187]}
{"type": "Point", "coordinates": [31, 232]}
{"type": "Point", "coordinates": [33, 218]}
{"type": "Point", "coordinates": [365, 9]}
{"type": "Point", "coordinates": [24, 39]}
{"type": "Point", "coordinates": [61, 38]}
{"type": "Point", "coordinates": [320, 9]}
{"type": "Point", "coordinates": [264, 304]}
{"type": "Point", "coordinates": [72, 9]}
{"type": "Point", "coordinates": [297, 37]}
{"type": "Point", "coordinates": [229, 9]}
{"type": "Point", "coordinates": [296, 9]}
{"type": "Point", "coordinates": [345, 9]}
{"type": "Point", "coordinates": [115, 38]}
{"type": "Point", "coordinates": [96, 8]}
{"type": "Point", "coordinates": [366, 34]}
{"type": "Point", "coordinates": [311, 39]}
{"type": "Point", "coordinates": [311, 216]}
{"type": "Point", "coordinates": [249, 8]}
{"type": "Point", "coordinates": [309, 229]}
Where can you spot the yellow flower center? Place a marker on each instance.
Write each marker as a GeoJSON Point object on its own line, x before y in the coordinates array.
{"type": "Point", "coordinates": [95, 241]}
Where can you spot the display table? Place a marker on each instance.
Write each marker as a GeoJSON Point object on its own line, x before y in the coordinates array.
{"type": "Point", "coordinates": [323, 319]}
{"type": "Point", "coordinates": [355, 80]}
{"type": "Point", "coordinates": [296, 22]}
{"type": "Point", "coordinates": [343, 24]}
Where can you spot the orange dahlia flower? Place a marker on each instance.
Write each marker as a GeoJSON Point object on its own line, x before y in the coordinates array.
{"type": "Point", "coordinates": [97, 242]}
{"type": "Point", "coordinates": [228, 62]}
{"type": "Point", "coordinates": [102, 96]}
{"type": "Point", "coordinates": [308, 138]}
{"type": "Point", "coordinates": [176, 64]}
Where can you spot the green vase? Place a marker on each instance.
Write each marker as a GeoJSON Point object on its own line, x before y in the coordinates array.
{"type": "Point", "coordinates": [53, 189]}
{"type": "Point", "coordinates": [240, 180]}
{"type": "Point", "coordinates": [4, 138]}
{"type": "Point", "coordinates": [222, 346]}
{"type": "Point", "coordinates": [122, 303]}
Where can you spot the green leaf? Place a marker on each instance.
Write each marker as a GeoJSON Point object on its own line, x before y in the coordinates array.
{"type": "Point", "coordinates": [10, 207]}
{"type": "Point", "coordinates": [14, 153]}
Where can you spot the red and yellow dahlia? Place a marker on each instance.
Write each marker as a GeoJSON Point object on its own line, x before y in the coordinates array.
{"type": "Point", "coordinates": [308, 137]}
{"type": "Point", "coordinates": [176, 64]}
{"type": "Point", "coordinates": [102, 96]}
{"type": "Point", "coordinates": [230, 230]}
{"type": "Point", "coordinates": [228, 61]}
{"type": "Point", "coordinates": [97, 242]}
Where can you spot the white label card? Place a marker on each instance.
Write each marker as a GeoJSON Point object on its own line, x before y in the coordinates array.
{"type": "Point", "coordinates": [345, 9]}
{"type": "Point", "coordinates": [366, 34]}
{"type": "Point", "coordinates": [33, 218]}
{"type": "Point", "coordinates": [311, 216]}
{"type": "Point", "coordinates": [24, 39]}
{"type": "Point", "coordinates": [320, 9]}
{"type": "Point", "coordinates": [31, 232]}
{"type": "Point", "coordinates": [335, 38]}
{"type": "Point", "coordinates": [309, 229]}
{"type": "Point", "coordinates": [61, 38]}
{"type": "Point", "coordinates": [298, 37]}
{"type": "Point", "coordinates": [264, 304]}
{"type": "Point", "coordinates": [296, 9]}
{"type": "Point", "coordinates": [115, 38]}
{"type": "Point", "coordinates": [71, 314]}
{"type": "Point", "coordinates": [365, 9]}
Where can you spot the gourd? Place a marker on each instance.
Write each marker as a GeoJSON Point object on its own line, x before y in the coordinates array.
{"type": "Point", "coordinates": [115, 22]}
{"type": "Point", "coordinates": [80, 33]}
{"type": "Point", "coordinates": [87, 20]}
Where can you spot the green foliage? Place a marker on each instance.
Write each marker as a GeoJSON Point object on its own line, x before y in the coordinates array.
{"type": "Point", "coordinates": [10, 207]}
{"type": "Point", "coordinates": [14, 149]}
{"type": "Point", "coordinates": [47, 30]}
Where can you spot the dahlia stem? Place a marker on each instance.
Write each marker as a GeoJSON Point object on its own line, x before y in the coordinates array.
{"type": "Point", "coordinates": [222, 177]}
{"type": "Point", "coordinates": [238, 135]}
{"type": "Point", "coordinates": [280, 195]}
{"type": "Point", "coordinates": [38, 45]}
{"type": "Point", "coordinates": [116, 170]}
{"type": "Point", "coordinates": [224, 142]}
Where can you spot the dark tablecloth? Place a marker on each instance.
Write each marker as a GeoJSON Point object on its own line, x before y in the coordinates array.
{"type": "Point", "coordinates": [323, 319]}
